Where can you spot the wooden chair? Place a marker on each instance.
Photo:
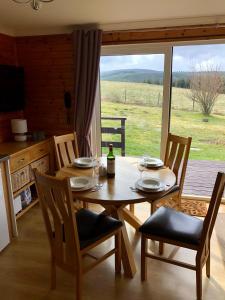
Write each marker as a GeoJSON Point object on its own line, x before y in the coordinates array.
{"type": "Point", "coordinates": [176, 158]}
{"type": "Point", "coordinates": [170, 226]}
{"type": "Point", "coordinates": [66, 149]}
{"type": "Point", "coordinates": [72, 235]}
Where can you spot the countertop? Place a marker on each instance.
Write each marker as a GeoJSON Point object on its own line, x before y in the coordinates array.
{"type": "Point", "coordinates": [10, 148]}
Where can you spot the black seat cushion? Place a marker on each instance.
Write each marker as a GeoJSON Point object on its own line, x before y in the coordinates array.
{"type": "Point", "coordinates": [173, 225]}
{"type": "Point", "coordinates": [92, 226]}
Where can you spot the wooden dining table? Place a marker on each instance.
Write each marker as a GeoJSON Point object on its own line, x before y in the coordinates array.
{"type": "Point", "coordinates": [117, 193]}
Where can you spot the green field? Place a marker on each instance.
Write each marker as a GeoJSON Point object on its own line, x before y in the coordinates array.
{"type": "Point", "coordinates": [141, 104]}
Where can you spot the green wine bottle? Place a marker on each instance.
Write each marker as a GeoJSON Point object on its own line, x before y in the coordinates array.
{"type": "Point", "coordinates": [110, 162]}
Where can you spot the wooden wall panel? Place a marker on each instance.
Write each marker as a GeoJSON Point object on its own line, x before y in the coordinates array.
{"type": "Point", "coordinates": [8, 56]}
{"type": "Point", "coordinates": [7, 50]}
{"type": "Point", "coordinates": [167, 34]}
{"type": "Point", "coordinates": [49, 72]}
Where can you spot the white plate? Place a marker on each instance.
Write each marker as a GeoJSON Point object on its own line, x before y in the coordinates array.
{"type": "Point", "coordinates": [149, 183]}
{"type": "Point", "coordinates": [84, 162]}
{"type": "Point", "coordinates": [81, 183]}
{"type": "Point", "coordinates": [160, 189]}
{"type": "Point", "coordinates": [151, 162]}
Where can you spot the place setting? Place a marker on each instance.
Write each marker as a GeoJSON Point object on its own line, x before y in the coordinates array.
{"type": "Point", "coordinates": [85, 162]}
{"type": "Point", "coordinates": [149, 185]}
{"type": "Point", "coordinates": [81, 183]}
{"type": "Point", "coordinates": [151, 162]}
{"type": "Point", "coordinates": [85, 183]}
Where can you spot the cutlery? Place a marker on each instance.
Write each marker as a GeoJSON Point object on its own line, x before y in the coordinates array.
{"type": "Point", "coordinates": [97, 187]}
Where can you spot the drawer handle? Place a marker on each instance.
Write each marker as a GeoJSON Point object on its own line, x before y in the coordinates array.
{"type": "Point", "coordinates": [41, 150]}
{"type": "Point", "coordinates": [22, 159]}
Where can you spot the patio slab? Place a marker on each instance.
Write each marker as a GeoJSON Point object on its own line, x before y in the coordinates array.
{"type": "Point", "coordinates": [201, 175]}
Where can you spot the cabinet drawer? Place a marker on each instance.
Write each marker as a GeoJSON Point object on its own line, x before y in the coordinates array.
{"type": "Point", "coordinates": [20, 178]}
{"type": "Point", "coordinates": [19, 161]}
{"type": "Point", "coordinates": [42, 165]}
{"type": "Point", "coordinates": [39, 151]}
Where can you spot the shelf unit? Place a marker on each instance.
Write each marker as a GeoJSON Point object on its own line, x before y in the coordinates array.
{"type": "Point", "coordinates": [23, 188]}
{"type": "Point", "coordinates": [23, 157]}
{"type": "Point", "coordinates": [29, 206]}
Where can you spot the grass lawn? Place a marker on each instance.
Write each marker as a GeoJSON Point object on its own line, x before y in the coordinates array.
{"type": "Point", "coordinates": [143, 125]}
{"type": "Point", "coordinates": [151, 95]}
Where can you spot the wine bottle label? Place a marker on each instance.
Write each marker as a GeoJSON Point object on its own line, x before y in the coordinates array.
{"type": "Point", "coordinates": [111, 166]}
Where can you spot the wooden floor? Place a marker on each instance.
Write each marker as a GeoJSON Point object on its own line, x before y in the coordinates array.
{"type": "Point", "coordinates": [201, 176]}
{"type": "Point", "coordinates": [24, 269]}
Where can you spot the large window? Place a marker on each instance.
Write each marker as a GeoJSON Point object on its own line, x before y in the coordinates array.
{"type": "Point", "coordinates": [157, 89]}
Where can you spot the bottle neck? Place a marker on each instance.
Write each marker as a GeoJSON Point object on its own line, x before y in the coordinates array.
{"type": "Point", "coordinates": [110, 151]}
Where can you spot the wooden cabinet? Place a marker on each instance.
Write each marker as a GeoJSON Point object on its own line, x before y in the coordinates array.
{"type": "Point", "coordinates": [39, 151]}
{"type": "Point", "coordinates": [19, 160]}
{"type": "Point", "coordinates": [20, 178]}
{"type": "Point", "coordinates": [23, 158]}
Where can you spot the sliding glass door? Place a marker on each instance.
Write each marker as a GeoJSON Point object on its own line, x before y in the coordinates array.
{"type": "Point", "coordinates": [198, 110]}
{"type": "Point", "coordinates": [147, 90]}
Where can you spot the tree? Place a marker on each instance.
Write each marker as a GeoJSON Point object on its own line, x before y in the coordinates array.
{"type": "Point", "coordinates": [206, 83]}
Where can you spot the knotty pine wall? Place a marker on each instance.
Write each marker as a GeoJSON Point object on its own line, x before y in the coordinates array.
{"type": "Point", "coordinates": [49, 72]}
{"type": "Point", "coordinates": [8, 56]}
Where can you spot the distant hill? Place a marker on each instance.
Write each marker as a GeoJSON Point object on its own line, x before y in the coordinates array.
{"type": "Point", "coordinates": [141, 75]}
{"type": "Point", "coordinates": [132, 75]}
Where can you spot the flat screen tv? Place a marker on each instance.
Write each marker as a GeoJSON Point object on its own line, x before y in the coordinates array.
{"type": "Point", "coordinates": [11, 88]}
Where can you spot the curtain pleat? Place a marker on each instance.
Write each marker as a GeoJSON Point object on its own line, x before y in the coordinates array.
{"type": "Point", "coordinates": [87, 49]}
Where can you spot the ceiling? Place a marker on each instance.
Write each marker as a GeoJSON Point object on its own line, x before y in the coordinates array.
{"type": "Point", "coordinates": [62, 15]}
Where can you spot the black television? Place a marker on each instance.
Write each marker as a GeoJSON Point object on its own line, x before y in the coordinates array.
{"type": "Point", "coordinates": [12, 96]}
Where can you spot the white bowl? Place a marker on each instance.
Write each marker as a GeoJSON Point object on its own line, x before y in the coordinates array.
{"type": "Point", "coordinates": [79, 182]}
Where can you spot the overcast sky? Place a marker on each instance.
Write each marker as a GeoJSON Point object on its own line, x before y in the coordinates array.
{"type": "Point", "coordinates": [184, 59]}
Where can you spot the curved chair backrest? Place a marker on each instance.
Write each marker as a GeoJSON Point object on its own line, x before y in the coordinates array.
{"type": "Point", "coordinates": [176, 156]}
{"type": "Point", "coordinates": [57, 207]}
{"type": "Point", "coordinates": [66, 149]}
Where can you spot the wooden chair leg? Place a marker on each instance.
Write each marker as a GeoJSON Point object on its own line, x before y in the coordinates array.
{"type": "Point", "coordinates": [143, 258]}
{"type": "Point", "coordinates": [85, 205]}
{"type": "Point", "coordinates": [153, 207]}
{"type": "Point", "coordinates": [132, 208]}
{"type": "Point", "coordinates": [208, 265]}
{"type": "Point", "coordinates": [78, 285]}
{"type": "Point", "coordinates": [178, 200]}
{"type": "Point", "coordinates": [161, 248]}
{"type": "Point", "coordinates": [118, 252]}
{"type": "Point", "coordinates": [199, 282]}
{"type": "Point", "coordinates": [53, 274]}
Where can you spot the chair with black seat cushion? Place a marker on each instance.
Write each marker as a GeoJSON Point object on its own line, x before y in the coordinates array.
{"type": "Point", "coordinates": [170, 226]}
{"type": "Point", "coordinates": [71, 235]}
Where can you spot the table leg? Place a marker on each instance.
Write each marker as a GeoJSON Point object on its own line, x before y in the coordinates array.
{"type": "Point", "coordinates": [127, 253]}
{"type": "Point", "coordinates": [130, 218]}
